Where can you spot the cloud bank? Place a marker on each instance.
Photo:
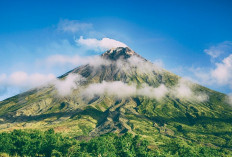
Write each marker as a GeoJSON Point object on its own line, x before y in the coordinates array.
{"type": "Point", "coordinates": [182, 90]}
{"type": "Point", "coordinates": [122, 90]}
{"type": "Point", "coordinates": [99, 45]}
{"type": "Point", "coordinates": [21, 79]}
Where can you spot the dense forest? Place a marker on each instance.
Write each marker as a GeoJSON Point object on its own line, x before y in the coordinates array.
{"type": "Point", "coordinates": [49, 143]}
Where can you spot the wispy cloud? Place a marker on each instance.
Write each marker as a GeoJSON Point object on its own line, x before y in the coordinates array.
{"type": "Point", "coordinates": [99, 45]}
{"type": "Point", "coordinates": [219, 74]}
{"type": "Point", "coordinates": [135, 62]}
{"type": "Point", "coordinates": [22, 79]}
{"type": "Point", "coordinates": [65, 86]}
{"type": "Point", "coordinates": [95, 60]}
{"type": "Point", "coordinates": [73, 26]}
{"type": "Point", "coordinates": [119, 89]}
{"type": "Point", "coordinates": [122, 90]}
{"type": "Point", "coordinates": [219, 49]}
{"type": "Point", "coordinates": [159, 63]}
{"type": "Point", "coordinates": [116, 88]}
{"type": "Point", "coordinates": [151, 92]}
{"type": "Point", "coordinates": [62, 54]}
{"type": "Point", "coordinates": [184, 89]}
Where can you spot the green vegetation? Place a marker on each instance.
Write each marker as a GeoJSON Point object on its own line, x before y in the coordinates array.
{"type": "Point", "coordinates": [49, 143]}
{"type": "Point", "coordinates": [171, 126]}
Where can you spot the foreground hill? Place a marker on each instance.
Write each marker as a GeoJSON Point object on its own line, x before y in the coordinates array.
{"type": "Point", "coordinates": [122, 92]}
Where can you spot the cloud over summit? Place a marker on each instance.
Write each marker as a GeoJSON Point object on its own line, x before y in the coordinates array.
{"type": "Point", "coordinates": [99, 45]}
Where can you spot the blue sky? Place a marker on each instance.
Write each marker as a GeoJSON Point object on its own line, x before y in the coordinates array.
{"type": "Point", "coordinates": [190, 38]}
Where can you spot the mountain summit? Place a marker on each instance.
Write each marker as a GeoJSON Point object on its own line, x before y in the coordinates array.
{"type": "Point", "coordinates": [123, 93]}
{"type": "Point", "coordinates": [119, 52]}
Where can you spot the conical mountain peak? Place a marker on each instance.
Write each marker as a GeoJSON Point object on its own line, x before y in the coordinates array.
{"type": "Point", "coordinates": [126, 95]}
{"type": "Point", "coordinates": [119, 53]}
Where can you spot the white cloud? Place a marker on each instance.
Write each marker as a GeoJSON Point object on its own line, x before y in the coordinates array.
{"type": "Point", "coordinates": [159, 63]}
{"type": "Point", "coordinates": [116, 88]}
{"type": "Point", "coordinates": [122, 90]}
{"type": "Point", "coordinates": [202, 97]}
{"type": "Point", "coordinates": [184, 89]}
{"type": "Point", "coordinates": [223, 71]}
{"type": "Point", "coordinates": [201, 75]}
{"type": "Point", "coordinates": [142, 65]}
{"type": "Point", "coordinates": [66, 86]}
{"type": "Point", "coordinates": [99, 45]}
{"type": "Point", "coordinates": [219, 49]}
{"type": "Point", "coordinates": [73, 26]}
{"type": "Point", "coordinates": [152, 92]}
{"type": "Point", "coordinates": [135, 62]}
{"type": "Point", "coordinates": [62, 60]}
{"type": "Point", "coordinates": [21, 79]}
{"type": "Point", "coordinates": [220, 75]}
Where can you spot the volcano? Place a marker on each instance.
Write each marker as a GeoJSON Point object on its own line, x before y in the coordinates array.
{"type": "Point", "coordinates": [123, 92]}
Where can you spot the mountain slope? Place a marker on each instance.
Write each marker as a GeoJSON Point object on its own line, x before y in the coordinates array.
{"type": "Point", "coordinates": [158, 105]}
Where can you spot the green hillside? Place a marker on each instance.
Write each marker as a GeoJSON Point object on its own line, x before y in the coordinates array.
{"type": "Point", "coordinates": [188, 116]}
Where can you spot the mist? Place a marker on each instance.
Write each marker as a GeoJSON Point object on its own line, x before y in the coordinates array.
{"type": "Point", "coordinates": [184, 89]}
{"type": "Point", "coordinates": [121, 90]}
{"type": "Point", "coordinates": [66, 86]}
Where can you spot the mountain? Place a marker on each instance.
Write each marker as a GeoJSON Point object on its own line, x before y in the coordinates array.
{"type": "Point", "coordinates": [121, 92]}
